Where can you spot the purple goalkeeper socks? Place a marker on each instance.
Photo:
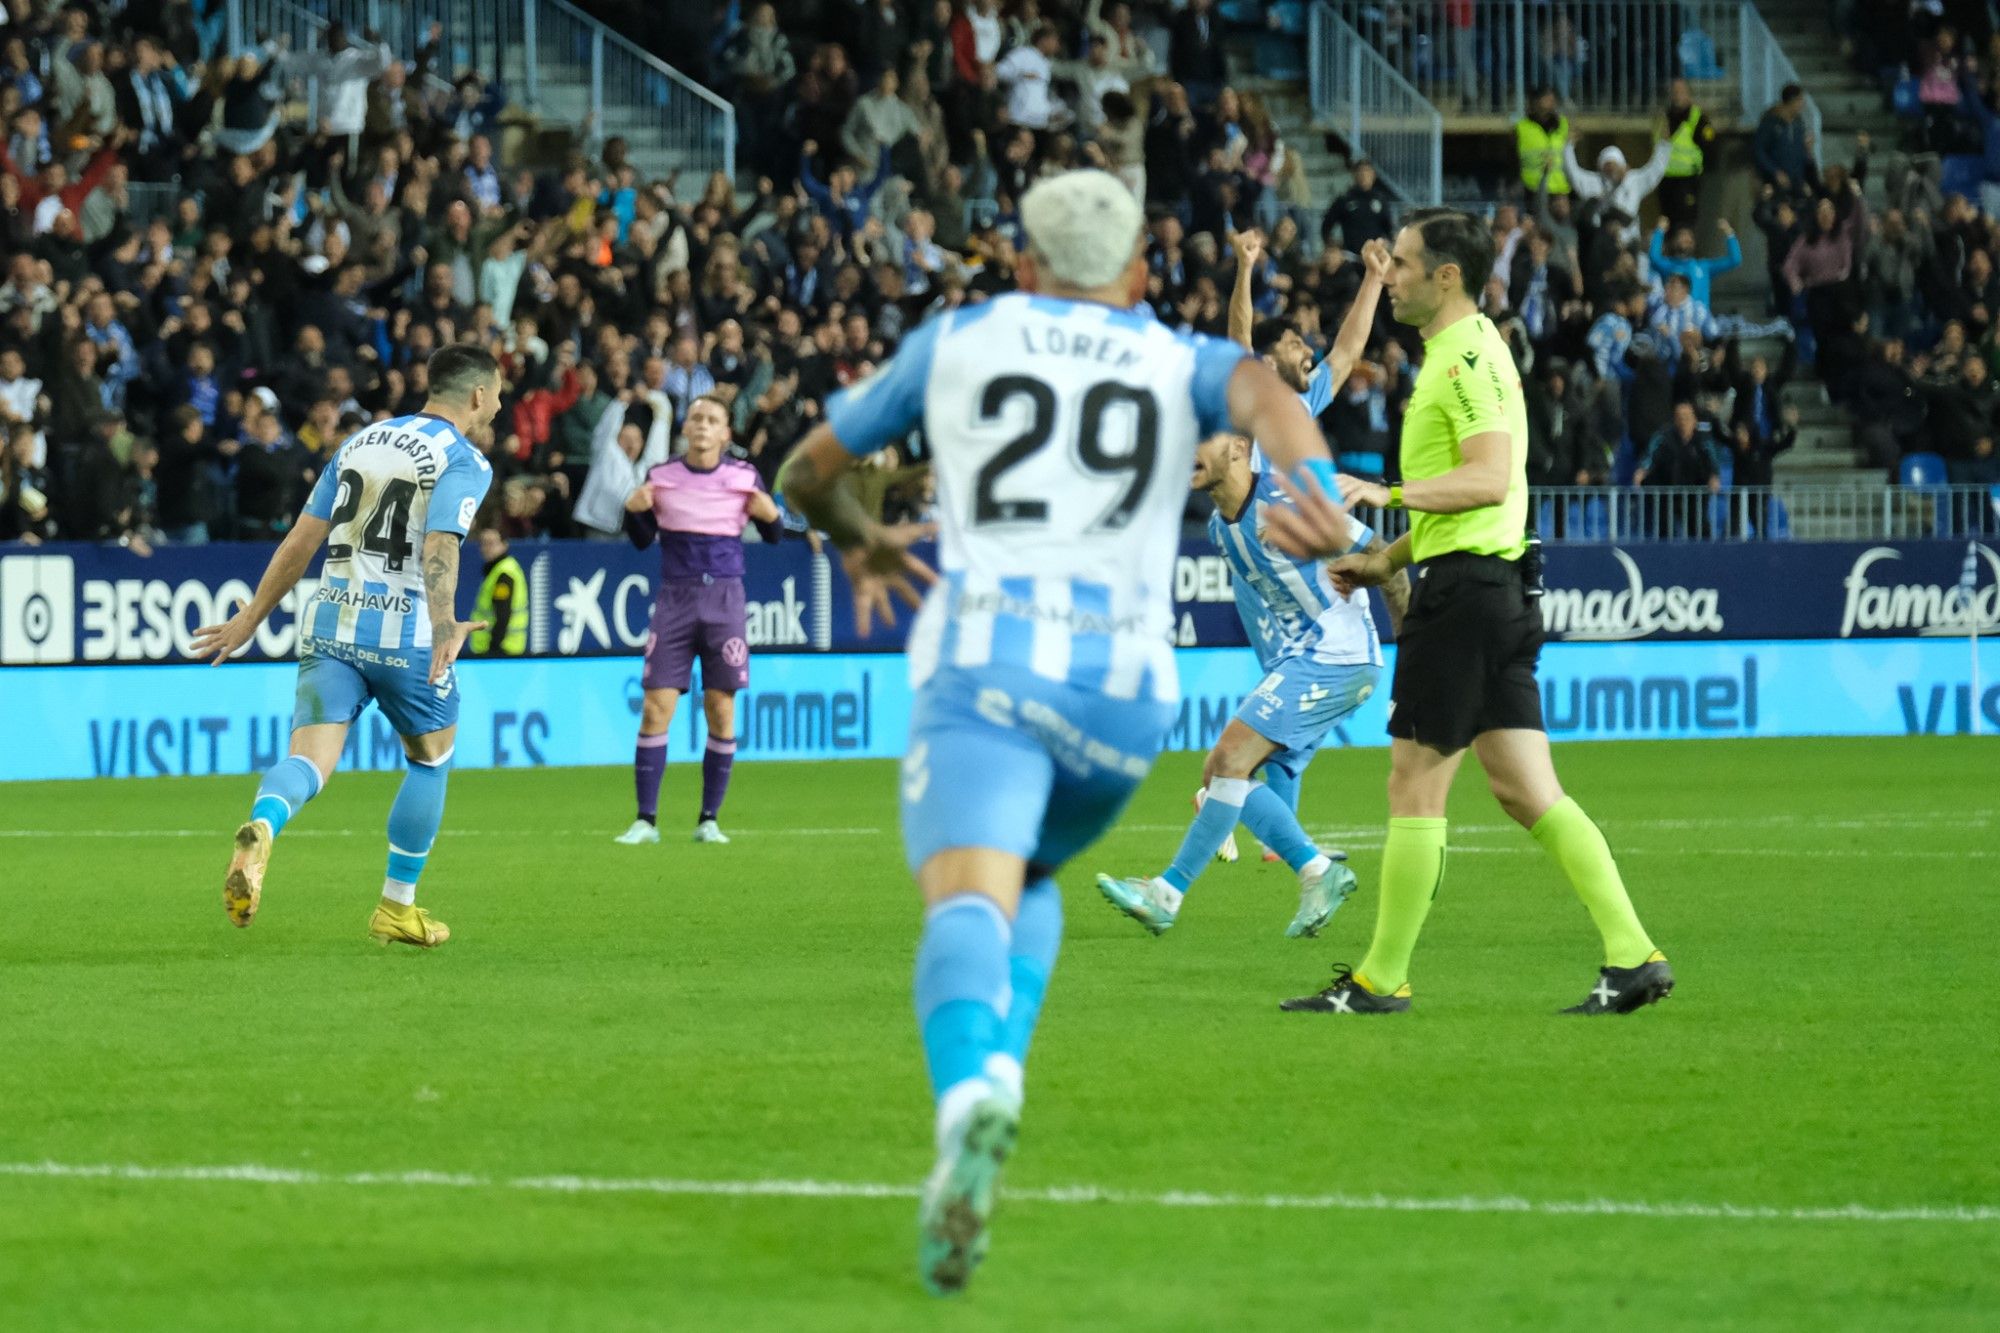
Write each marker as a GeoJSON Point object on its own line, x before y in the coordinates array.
{"type": "Point", "coordinates": [715, 766]}
{"type": "Point", "coordinates": [649, 765]}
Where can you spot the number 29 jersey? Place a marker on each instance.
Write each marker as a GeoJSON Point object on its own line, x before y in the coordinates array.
{"type": "Point", "coordinates": [390, 485]}
{"type": "Point", "coordinates": [1063, 436]}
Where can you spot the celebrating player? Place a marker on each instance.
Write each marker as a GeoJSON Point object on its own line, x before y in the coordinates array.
{"type": "Point", "coordinates": [1287, 353]}
{"type": "Point", "coordinates": [1465, 659]}
{"type": "Point", "coordinates": [1063, 426]}
{"type": "Point", "coordinates": [695, 506]}
{"type": "Point", "coordinates": [1321, 662]}
{"type": "Point", "coordinates": [376, 629]}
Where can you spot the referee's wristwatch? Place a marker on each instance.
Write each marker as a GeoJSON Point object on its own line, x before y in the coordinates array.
{"type": "Point", "coordinates": [1395, 498]}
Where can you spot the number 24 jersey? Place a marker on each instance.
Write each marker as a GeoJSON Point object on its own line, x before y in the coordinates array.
{"type": "Point", "coordinates": [390, 485]}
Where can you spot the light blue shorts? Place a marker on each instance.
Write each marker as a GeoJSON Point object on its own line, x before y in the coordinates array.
{"type": "Point", "coordinates": [1299, 701]}
{"type": "Point", "coordinates": [1001, 758]}
{"type": "Point", "coordinates": [337, 681]}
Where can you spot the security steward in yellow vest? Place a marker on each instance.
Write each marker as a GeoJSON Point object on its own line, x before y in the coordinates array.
{"type": "Point", "coordinates": [1539, 137]}
{"type": "Point", "coordinates": [1689, 134]}
{"type": "Point", "coordinates": [503, 601]}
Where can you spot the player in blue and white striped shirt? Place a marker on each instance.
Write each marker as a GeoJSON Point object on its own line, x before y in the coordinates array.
{"type": "Point", "coordinates": [380, 626]}
{"type": "Point", "coordinates": [1063, 426]}
{"type": "Point", "coordinates": [1322, 658]}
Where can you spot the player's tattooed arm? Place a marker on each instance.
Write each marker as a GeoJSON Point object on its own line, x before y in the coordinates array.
{"type": "Point", "coordinates": [441, 580]}
{"type": "Point", "coordinates": [448, 632]}
{"type": "Point", "coordinates": [1395, 590]}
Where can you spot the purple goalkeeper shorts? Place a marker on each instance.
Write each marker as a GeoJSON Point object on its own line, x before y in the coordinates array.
{"type": "Point", "coordinates": [702, 620]}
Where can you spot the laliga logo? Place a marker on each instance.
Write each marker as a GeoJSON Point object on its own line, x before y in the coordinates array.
{"type": "Point", "coordinates": [1603, 615]}
{"type": "Point", "coordinates": [1927, 608]}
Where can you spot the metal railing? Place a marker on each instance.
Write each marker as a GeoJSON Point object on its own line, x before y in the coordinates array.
{"type": "Point", "coordinates": [1765, 69]}
{"type": "Point", "coordinates": [1356, 91]}
{"type": "Point", "coordinates": [554, 60]}
{"type": "Point", "coordinates": [1614, 57]}
{"type": "Point", "coordinates": [631, 92]}
{"type": "Point", "coordinates": [1607, 515]}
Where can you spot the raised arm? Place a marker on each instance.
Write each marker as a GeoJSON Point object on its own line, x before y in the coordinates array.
{"type": "Point", "coordinates": [1352, 339]}
{"type": "Point", "coordinates": [1249, 245]}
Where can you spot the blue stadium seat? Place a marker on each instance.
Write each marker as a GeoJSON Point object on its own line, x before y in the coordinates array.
{"type": "Point", "coordinates": [1961, 173]}
{"type": "Point", "coordinates": [1780, 520]}
{"type": "Point", "coordinates": [1923, 470]}
{"type": "Point", "coordinates": [1545, 515]}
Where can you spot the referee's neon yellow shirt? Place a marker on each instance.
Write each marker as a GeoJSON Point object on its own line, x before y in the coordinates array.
{"type": "Point", "coordinates": [1468, 385]}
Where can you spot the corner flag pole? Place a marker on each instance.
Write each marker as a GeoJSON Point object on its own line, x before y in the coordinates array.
{"type": "Point", "coordinates": [1967, 579]}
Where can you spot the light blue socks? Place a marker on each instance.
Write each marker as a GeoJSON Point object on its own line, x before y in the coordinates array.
{"type": "Point", "coordinates": [1276, 826]}
{"type": "Point", "coordinates": [413, 826]}
{"type": "Point", "coordinates": [1037, 939]}
{"type": "Point", "coordinates": [962, 987]}
{"type": "Point", "coordinates": [1216, 820]}
{"type": "Point", "coordinates": [286, 788]}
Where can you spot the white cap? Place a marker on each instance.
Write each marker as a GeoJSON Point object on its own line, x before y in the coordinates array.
{"type": "Point", "coordinates": [266, 397]}
{"type": "Point", "coordinates": [1083, 226]}
{"type": "Point", "coordinates": [1608, 156]}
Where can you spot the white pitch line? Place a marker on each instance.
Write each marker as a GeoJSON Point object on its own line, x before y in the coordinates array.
{"type": "Point", "coordinates": [253, 1174]}
{"type": "Point", "coordinates": [606, 832]}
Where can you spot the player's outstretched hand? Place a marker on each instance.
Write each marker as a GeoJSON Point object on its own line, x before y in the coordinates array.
{"type": "Point", "coordinates": [444, 651]}
{"type": "Point", "coordinates": [882, 567]}
{"type": "Point", "coordinates": [221, 642]}
{"type": "Point", "coordinates": [1375, 257]}
{"type": "Point", "coordinates": [1368, 570]}
{"type": "Point", "coordinates": [1314, 526]}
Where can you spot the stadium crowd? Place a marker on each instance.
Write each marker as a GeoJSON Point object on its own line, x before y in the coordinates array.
{"type": "Point", "coordinates": [177, 362]}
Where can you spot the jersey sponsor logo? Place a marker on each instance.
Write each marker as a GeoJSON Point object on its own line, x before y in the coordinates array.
{"type": "Point", "coordinates": [1471, 360]}
{"type": "Point", "coordinates": [1607, 615]}
{"type": "Point", "coordinates": [1924, 608]}
{"type": "Point", "coordinates": [736, 652]}
{"type": "Point", "coordinates": [400, 603]}
{"type": "Point", "coordinates": [467, 508]}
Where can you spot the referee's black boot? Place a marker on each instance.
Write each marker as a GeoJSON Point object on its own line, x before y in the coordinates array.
{"type": "Point", "coordinates": [1621, 990]}
{"type": "Point", "coordinates": [1346, 995]}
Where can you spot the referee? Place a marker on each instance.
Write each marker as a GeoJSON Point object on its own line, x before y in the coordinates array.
{"type": "Point", "coordinates": [1465, 659]}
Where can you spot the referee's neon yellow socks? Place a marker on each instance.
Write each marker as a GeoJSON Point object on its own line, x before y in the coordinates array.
{"type": "Point", "coordinates": [1578, 846]}
{"type": "Point", "coordinates": [1412, 870]}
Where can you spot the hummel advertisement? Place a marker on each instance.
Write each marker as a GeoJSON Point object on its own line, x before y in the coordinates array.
{"type": "Point", "coordinates": [190, 719]}
{"type": "Point", "coordinates": [86, 604]}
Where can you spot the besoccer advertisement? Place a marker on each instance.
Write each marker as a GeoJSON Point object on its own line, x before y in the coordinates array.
{"type": "Point", "coordinates": [1645, 642]}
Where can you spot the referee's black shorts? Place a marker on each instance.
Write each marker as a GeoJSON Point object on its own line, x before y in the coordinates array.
{"type": "Point", "coordinates": [1465, 660]}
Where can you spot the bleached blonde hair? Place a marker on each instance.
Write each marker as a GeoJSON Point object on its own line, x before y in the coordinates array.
{"type": "Point", "coordinates": [1083, 227]}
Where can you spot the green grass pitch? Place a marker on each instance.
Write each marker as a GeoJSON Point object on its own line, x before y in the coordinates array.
{"type": "Point", "coordinates": [742, 1014]}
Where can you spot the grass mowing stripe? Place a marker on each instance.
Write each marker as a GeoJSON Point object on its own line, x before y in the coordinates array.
{"type": "Point", "coordinates": [254, 1174]}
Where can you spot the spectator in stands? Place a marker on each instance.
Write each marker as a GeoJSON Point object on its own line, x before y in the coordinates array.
{"type": "Point", "coordinates": [1889, 407]}
{"type": "Point", "coordinates": [1821, 261]}
{"type": "Point", "coordinates": [344, 70]}
{"type": "Point", "coordinates": [1195, 58]}
{"type": "Point", "coordinates": [1616, 187]}
{"type": "Point", "coordinates": [1539, 140]}
{"type": "Point", "coordinates": [760, 61]}
{"type": "Point", "coordinates": [1689, 136]}
{"type": "Point", "coordinates": [1027, 74]}
{"type": "Point", "coordinates": [1782, 148]}
{"type": "Point", "coordinates": [1964, 418]}
{"type": "Point", "coordinates": [1364, 213]}
{"type": "Point", "coordinates": [1678, 256]}
{"type": "Point", "coordinates": [1682, 454]}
